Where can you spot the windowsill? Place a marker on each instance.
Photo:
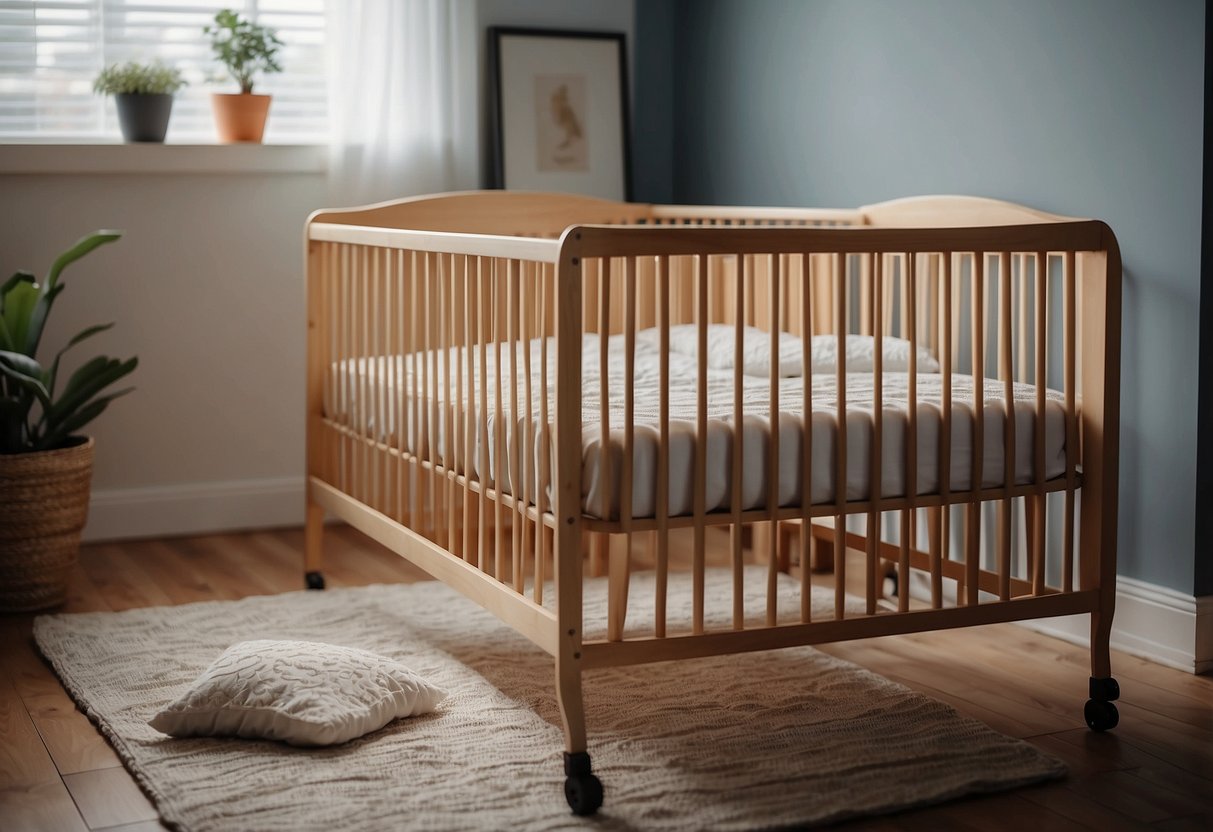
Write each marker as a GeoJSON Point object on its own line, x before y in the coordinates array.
{"type": "Point", "coordinates": [97, 158]}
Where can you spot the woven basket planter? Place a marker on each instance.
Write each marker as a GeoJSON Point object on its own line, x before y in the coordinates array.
{"type": "Point", "coordinates": [43, 507]}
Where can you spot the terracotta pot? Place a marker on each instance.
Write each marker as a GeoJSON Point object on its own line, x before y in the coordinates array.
{"type": "Point", "coordinates": [240, 117]}
{"type": "Point", "coordinates": [43, 507]}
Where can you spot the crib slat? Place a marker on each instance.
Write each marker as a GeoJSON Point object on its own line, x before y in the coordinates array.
{"type": "Point", "coordinates": [527, 454]}
{"type": "Point", "coordinates": [341, 368]}
{"type": "Point", "coordinates": [374, 303]}
{"type": "Point", "coordinates": [1006, 370]}
{"type": "Point", "coordinates": [543, 436]}
{"type": "Point", "coordinates": [663, 446]}
{"type": "Point", "coordinates": [358, 329]}
{"type": "Point", "coordinates": [604, 451]}
{"type": "Point", "coordinates": [417, 364]}
{"type": "Point", "coordinates": [955, 308]}
{"type": "Point", "coordinates": [620, 561]}
{"type": "Point", "coordinates": [386, 385]}
{"type": "Point", "coordinates": [1040, 380]}
{"type": "Point", "coordinates": [875, 468]}
{"type": "Point", "coordinates": [344, 370]}
{"type": "Point", "coordinates": [911, 455]}
{"type": "Point", "coordinates": [369, 285]}
{"type": "Point", "coordinates": [1069, 315]}
{"type": "Point", "coordinates": [887, 288]}
{"type": "Point", "coordinates": [773, 445]}
{"type": "Point", "coordinates": [738, 444]}
{"type": "Point", "coordinates": [946, 354]}
{"type": "Point", "coordinates": [454, 409]}
{"type": "Point", "coordinates": [904, 324]}
{"type": "Point", "coordinates": [497, 476]}
{"type": "Point", "coordinates": [840, 479]}
{"type": "Point", "coordinates": [806, 468]}
{"type": "Point", "coordinates": [466, 404]}
{"type": "Point", "coordinates": [393, 326]}
{"type": "Point", "coordinates": [701, 443]}
{"type": "Point", "coordinates": [357, 398]}
{"type": "Point", "coordinates": [412, 368]}
{"type": "Point", "coordinates": [867, 323]}
{"type": "Point", "coordinates": [383, 386]}
{"type": "Point", "coordinates": [332, 365]}
{"type": "Point", "coordinates": [484, 280]}
{"type": "Point", "coordinates": [517, 423]}
{"type": "Point", "coordinates": [424, 337]}
{"type": "Point", "coordinates": [979, 311]}
{"type": "Point", "coordinates": [1024, 333]}
{"type": "Point", "coordinates": [437, 335]}
{"type": "Point", "coordinates": [393, 398]}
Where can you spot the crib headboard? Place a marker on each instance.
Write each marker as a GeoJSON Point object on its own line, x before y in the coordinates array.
{"type": "Point", "coordinates": [546, 215]}
{"type": "Point", "coordinates": [505, 213]}
{"type": "Point", "coordinates": [952, 212]}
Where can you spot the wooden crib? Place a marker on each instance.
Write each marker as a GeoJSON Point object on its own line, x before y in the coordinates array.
{"type": "Point", "coordinates": [472, 403]}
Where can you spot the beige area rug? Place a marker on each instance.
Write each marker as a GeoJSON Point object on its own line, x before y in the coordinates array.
{"type": "Point", "coordinates": [779, 739]}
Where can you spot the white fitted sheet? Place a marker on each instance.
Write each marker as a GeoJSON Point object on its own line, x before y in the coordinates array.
{"type": "Point", "coordinates": [367, 394]}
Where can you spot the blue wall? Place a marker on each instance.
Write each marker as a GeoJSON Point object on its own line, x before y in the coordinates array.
{"type": "Point", "coordinates": [1085, 107]}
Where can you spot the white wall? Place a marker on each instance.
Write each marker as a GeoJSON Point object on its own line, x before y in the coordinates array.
{"type": "Point", "coordinates": [206, 287]}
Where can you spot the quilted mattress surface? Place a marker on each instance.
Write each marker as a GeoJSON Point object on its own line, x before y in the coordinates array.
{"type": "Point", "coordinates": [379, 397]}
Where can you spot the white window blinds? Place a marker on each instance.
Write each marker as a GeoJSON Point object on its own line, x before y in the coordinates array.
{"type": "Point", "coordinates": [51, 50]}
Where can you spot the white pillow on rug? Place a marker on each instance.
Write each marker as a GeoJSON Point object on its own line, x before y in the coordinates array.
{"type": "Point", "coordinates": [300, 692]}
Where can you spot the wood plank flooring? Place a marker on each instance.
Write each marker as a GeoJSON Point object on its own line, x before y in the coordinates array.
{"type": "Point", "coordinates": [1155, 771]}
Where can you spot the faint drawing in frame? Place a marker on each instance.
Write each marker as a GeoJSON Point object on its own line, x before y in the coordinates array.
{"type": "Point", "coordinates": [560, 110]}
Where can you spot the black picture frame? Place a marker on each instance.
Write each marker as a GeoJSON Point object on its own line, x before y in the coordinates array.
{"type": "Point", "coordinates": [558, 100]}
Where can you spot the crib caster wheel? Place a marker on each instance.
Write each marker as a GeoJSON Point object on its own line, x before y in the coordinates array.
{"type": "Point", "coordinates": [584, 793]}
{"type": "Point", "coordinates": [1104, 690]}
{"type": "Point", "coordinates": [315, 580]}
{"type": "Point", "coordinates": [1101, 716]}
{"type": "Point", "coordinates": [582, 789]}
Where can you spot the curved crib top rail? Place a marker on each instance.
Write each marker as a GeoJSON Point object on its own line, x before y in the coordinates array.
{"type": "Point", "coordinates": [533, 214]}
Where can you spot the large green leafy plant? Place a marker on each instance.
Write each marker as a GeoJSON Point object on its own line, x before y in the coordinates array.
{"type": "Point", "coordinates": [33, 416]}
{"type": "Point", "coordinates": [243, 47]}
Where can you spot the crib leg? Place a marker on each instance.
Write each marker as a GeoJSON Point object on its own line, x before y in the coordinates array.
{"type": "Point", "coordinates": [1100, 713]}
{"type": "Point", "coordinates": [582, 789]}
{"type": "Point", "coordinates": [313, 547]}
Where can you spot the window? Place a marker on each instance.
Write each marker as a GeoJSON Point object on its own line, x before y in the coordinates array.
{"type": "Point", "coordinates": [51, 50]}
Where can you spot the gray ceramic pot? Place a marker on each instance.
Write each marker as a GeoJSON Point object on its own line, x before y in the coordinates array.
{"type": "Point", "coordinates": [144, 117]}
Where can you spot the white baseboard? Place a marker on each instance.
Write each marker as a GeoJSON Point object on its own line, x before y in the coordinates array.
{"type": "Point", "coordinates": [195, 508]}
{"type": "Point", "coordinates": [1152, 622]}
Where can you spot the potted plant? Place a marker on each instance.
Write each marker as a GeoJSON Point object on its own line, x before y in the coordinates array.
{"type": "Point", "coordinates": [45, 465]}
{"type": "Point", "coordinates": [244, 49]}
{"type": "Point", "coordinates": [144, 95]}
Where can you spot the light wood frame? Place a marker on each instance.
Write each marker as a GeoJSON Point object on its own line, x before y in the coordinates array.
{"type": "Point", "coordinates": [485, 269]}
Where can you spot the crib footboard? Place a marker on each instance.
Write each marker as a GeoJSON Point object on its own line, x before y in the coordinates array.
{"type": "Point", "coordinates": [630, 439]}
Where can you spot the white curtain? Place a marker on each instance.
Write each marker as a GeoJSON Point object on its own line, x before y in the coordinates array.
{"type": "Point", "coordinates": [402, 98]}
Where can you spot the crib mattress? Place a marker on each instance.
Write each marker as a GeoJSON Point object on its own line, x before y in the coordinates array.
{"type": "Point", "coordinates": [375, 397]}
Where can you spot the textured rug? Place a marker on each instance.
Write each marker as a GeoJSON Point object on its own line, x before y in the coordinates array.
{"type": "Point", "coordinates": [767, 740]}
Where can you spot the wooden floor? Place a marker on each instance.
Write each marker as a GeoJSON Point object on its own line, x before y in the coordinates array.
{"type": "Point", "coordinates": [1154, 771]}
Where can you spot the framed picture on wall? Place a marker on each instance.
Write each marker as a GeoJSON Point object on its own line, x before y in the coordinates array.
{"type": "Point", "coordinates": [560, 111]}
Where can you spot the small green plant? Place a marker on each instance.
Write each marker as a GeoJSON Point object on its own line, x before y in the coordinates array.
{"type": "Point", "coordinates": [32, 416]}
{"type": "Point", "coordinates": [139, 79]}
{"type": "Point", "coordinates": [243, 47]}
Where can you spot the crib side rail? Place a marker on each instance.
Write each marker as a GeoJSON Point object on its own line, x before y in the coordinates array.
{"type": "Point", "coordinates": [1006, 305]}
{"type": "Point", "coordinates": [413, 339]}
